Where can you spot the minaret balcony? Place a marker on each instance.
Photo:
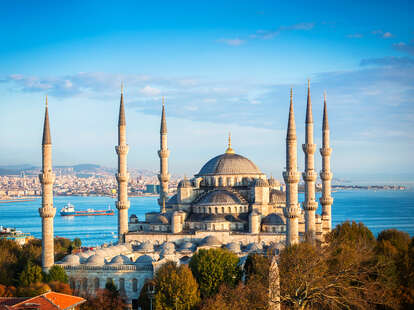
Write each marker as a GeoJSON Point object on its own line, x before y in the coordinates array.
{"type": "Point", "coordinates": [310, 205]}
{"type": "Point", "coordinates": [325, 151]}
{"type": "Point", "coordinates": [292, 211]}
{"type": "Point", "coordinates": [163, 153]}
{"type": "Point", "coordinates": [309, 176]}
{"type": "Point", "coordinates": [326, 175]}
{"type": "Point", "coordinates": [121, 205]}
{"type": "Point", "coordinates": [309, 148]}
{"type": "Point", "coordinates": [163, 178]}
{"type": "Point", "coordinates": [122, 177]}
{"type": "Point", "coordinates": [47, 212]}
{"type": "Point", "coordinates": [326, 201]}
{"type": "Point", "coordinates": [47, 178]}
{"type": "Point", "coordinates": [291, 176]}
{"type": "Point", "coordinates": [122, 149]}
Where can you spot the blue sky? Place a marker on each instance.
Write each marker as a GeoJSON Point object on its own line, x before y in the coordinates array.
{"type": "Point", "coordinates": [222, 66]}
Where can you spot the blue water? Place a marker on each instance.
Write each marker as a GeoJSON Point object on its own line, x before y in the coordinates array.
{"type": "Point", "coordinates": [378, 210]}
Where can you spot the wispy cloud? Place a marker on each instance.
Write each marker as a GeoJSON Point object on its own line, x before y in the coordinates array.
{"type": "Point", "coordinates": [232, 42]}
{"type": "Point", "coordinates": [355, 36]}
{"type": "Point", "coordinates": [387, 61]}
{"type": "Point", "coordinates": [404, 47]}
{"type": "Point", "coordinates": [270, 34]}
{"type": "Point", "coordinates": [382, 34]}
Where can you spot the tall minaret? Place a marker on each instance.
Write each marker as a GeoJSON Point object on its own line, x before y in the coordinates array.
{"type": "Point", "coordinates": [291, 176]}
{"type": "Point", "coordinates": [47, 211]}
{"type": "Point", "coordinates": [326, 174]}
{"type": "Point", "coordinates": [122, 176]}
{"type": "Point", "coordinates": [163, 153]}
{"type": "Point", "coordinates": [309, 176]}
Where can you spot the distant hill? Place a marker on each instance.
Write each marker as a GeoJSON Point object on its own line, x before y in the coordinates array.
{"type": "Point", "coordinates": [14, 169]}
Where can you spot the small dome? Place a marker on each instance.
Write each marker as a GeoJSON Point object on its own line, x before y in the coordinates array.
{"type": "Point", "coordinates": [96, 260]}
{"type": "Point", "coordinates": [71, 260]}
{"type": "Point", "coordinates": [187, 246]}
{"type": "Point", "coordinates": [144, 260]}
{"type": "Point", "coordinates": [234, 247]}
{"type": "Point", "coordinates": [273, 219]}
{"type": "Point", "coordinates": [277, 196]}
{"type": "Point", "coordinates": [211, 241]}
{"type": "Point", "coordinates": [261, 183]}
{"type": "Point", "coordinates": [147, 246]}
{"type": "Point", "coordinates": [120, 260]}
{"type": "Point", "coordinates": [133, 216]}
{"type": "Point", "coordinates": [168, 249]}
{"type": "Point", "coordinates": [185, 183]}
{"type": "Point", "coordinates": [254, 247]}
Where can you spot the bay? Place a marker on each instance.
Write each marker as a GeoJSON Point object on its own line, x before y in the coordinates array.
{"type": "Point", "coordinates": [378, 210]}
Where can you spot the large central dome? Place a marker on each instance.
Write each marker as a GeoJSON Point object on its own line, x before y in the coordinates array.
{"type": "Point", "coordinates": [230, 164]}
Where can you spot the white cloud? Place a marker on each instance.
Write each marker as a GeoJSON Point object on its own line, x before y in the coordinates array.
{"type": "Point", "coordinates": [150, 91]}
{"type": "Point", "coordinates": [232, 42]}
{"type": "Point", "coordinates": [387, 35]}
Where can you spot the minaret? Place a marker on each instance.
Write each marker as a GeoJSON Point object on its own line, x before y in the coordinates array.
{"type": "Point", "coordinates": [163, 153]}
{"type": "Point", "coordinates": [291, 176]}
{"type": "Point", "coordinates": [326, 174]}
{"type": "Point", "coordinates": [309, 176]}
{"type": "Point", "coordinates": [122, 176]}
{"type": "Point", "coordinates": [47, 211]}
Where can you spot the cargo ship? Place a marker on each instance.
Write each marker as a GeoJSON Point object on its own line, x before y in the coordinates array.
{"type": "Point", "coordinates": [69, 210]}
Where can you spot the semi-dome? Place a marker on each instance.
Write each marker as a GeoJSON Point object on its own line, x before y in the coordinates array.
{"type": "Point", "coordinates": [211, 241]}
{"type": "Point", "coordinates": [221, 197]}
{"type": "Point", "coordinates": [144, 260]}
{"type": "Point", "coordinates": [229, 164]}
{"type": "Point", "coordinates": [273, 219]}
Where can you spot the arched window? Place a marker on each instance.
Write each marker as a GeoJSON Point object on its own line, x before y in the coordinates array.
{"type": "Point", "coordinates": [229, 210]}
{"type": "Point", "coordinates": [85, 284]}
{"type": "Point", "coordinates": [135, 285]}
{"type": "Point", "coordinates": [216, 210]}
{"type": "Point", "coordinates": [222, 210]}
{"type": "Point", "coordinates": [121, 284]}
{"type": "Point", "coordinates": [96, 283]}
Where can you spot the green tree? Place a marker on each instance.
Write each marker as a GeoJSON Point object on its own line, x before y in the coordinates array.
{"type": "Point", "coordinates": [215, 267]}
{"type": "Point", "coordinates": [31, 274]}
{"type": "Point", "coordinates": [10, 252]}
{"type": "Point", "coordinates": [77, 243]}
{"type": "Point", "coordinates": [56, 273]}
{"type": "Point", "coordinates": [352, 233]}
{"type": "Point", "coordinates": [176, 288]}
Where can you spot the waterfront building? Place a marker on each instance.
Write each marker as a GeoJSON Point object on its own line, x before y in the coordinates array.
{"type": "Point", "coordinates": [230, 203]}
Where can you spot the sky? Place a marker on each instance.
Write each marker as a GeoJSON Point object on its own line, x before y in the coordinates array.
{"type": "Point", "coordinates": [223, 66]}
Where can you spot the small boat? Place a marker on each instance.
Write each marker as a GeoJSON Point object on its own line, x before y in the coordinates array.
{"type": "Point", "coordinates": [69, 210]}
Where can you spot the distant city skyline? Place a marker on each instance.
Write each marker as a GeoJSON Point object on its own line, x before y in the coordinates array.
{"type": "Point", "coordinates": [221, 67]}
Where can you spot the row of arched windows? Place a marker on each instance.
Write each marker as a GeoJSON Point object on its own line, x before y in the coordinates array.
{"type": "Point", "coordinates": [221, 210]}
{"type": "Point", "coordinates": [82, 284]}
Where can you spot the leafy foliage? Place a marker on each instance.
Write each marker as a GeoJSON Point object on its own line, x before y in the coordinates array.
{"type": "Point", "coordinates": [56, 273]}
{"type": "Point", "coordinates": [31, 274]}
{"type": "Point", "coordinates": [215, 267]}
{"type": "Point", "coordinates": [108, 298]}
{"type": "Point", "coordinates": [176, 288]}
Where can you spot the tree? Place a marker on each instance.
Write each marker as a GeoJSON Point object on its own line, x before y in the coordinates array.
{"type": "Point", "coordinates": [60, 287]}
{"type": "Point", "coordinates": [108, 298]}
{"type": "Point", "coordinates": [31, 274]}
{"type": "Point", "coordinates": [9, 256]}
{"type": "Point", "coordinates": [33, 289]}
{"type": "Point", "coordinates": [352, 233]}
{"type": "Point", "coordinates": [56, 273]}
{"type": "Point", "coordinates": [215, 267]}
{"type": "Point", "coordinates": [77, 243]}
{"type": "Point", "coordinates": [176, 288]}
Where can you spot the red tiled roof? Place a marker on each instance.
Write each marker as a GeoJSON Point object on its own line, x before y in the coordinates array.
{"type": "Point", "coordinates": [47, 301]}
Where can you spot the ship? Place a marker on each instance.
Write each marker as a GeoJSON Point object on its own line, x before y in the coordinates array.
{"type": "Point", "coordinates": [69, 210]}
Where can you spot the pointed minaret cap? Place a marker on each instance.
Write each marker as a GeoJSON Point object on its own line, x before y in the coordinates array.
{"type": "Point", "coordinates": [325, 125]}
{"type": "Point", "coordinates": [291, 132]}
{"type": "Point", "coordinates": [309, 118]}
{"type": "Point", "coordinates": [229, 149]}
{"type": "Point", "coordinates": [163, 120]}
{"type": "Point", "coordinates": [46, 128]}
{"type": "Point", "coordinates": [121, 121]}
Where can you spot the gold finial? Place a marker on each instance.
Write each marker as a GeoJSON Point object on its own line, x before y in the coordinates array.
{"type": "Point", "coordinates": [46, 101]}
{"type": "Point", "coordinates": [229, 149]}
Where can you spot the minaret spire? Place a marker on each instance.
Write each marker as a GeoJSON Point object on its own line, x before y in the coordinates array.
{"type": "Point", "coordinates": [122, 176]}
{"type": "Point", "coordinates": [163, 154]}
{"type": "Point", "coordinates": [47, 211]}
{"type": "Point", "coordinates": [309, 176]}
{"type": "Point", "coordinates": [326, 175]}
{"type": "Point", "coordinates": [291, 177]}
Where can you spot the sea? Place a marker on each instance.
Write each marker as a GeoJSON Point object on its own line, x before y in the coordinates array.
{"type": "Point", "coordinates": [378, 210]}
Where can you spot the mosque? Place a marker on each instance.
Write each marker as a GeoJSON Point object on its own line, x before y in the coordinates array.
{"type": "Point", "coordinates": [229, 204]}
